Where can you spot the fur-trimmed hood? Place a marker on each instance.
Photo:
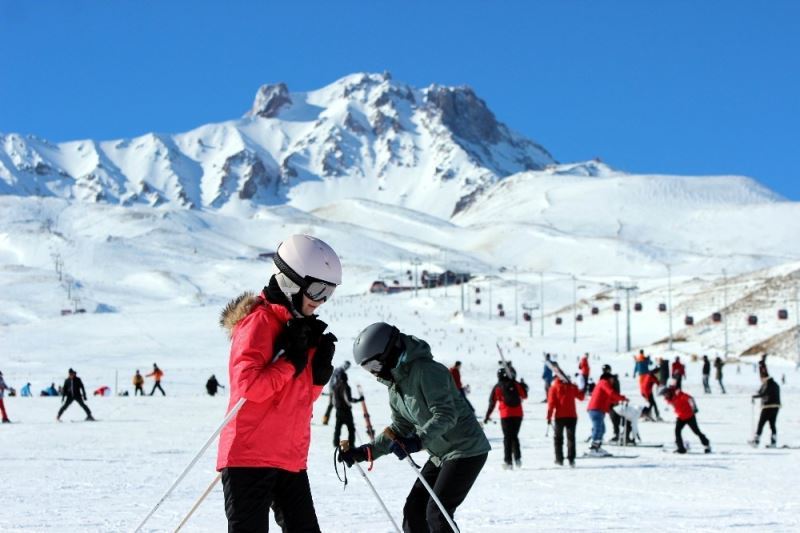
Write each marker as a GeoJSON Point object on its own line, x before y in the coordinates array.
{"type": "Point", "coordinates": [237, 309]}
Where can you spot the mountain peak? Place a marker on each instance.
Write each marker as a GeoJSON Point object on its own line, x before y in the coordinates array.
{"type": "Point", "coordinates": [270, 99]}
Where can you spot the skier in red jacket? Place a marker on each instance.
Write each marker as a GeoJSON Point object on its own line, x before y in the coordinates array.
{"type": "Point", "coordinates": [561, 404]}
{"type": "Point", "coordinates": [280, 360]}
{"type": "Point", "coordinates": [508, 393]}
{"type": "Point", "coordinates": [646, 385]}
{"type": "Point", "coordinates": [603, 397]}
{"type": "Point", "coordinates": [678, 372]}
{"type": "Point", "coordinates": [685, 410]}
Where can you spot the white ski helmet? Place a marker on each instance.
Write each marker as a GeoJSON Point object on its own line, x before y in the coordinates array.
{"type": "Point", "coordinates": [305, 263]}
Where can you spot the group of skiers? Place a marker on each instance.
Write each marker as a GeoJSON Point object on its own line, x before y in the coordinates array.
{"type": "Point", "coordinates": [157, 374]}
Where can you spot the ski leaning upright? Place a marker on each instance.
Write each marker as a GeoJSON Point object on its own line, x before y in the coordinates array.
{"type": "Point", "coordinates": [370, 430]}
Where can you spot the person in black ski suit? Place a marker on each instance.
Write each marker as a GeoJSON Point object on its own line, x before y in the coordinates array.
{"type": "Point", "coordinates": [331, 385]}
{"type": "Point", "coordinates": [706, 374]}
{"type": "Point", "coordinates": [343, 400]}
{"type": "Point", "coordinates": [663, 371]}
{"type": "Point", "coordinates": [770, 394]}
{"type": "Point", "coordinates": [73, 391]}
{"type": "Point", "coordinates": [718, 364]}
{"type": "Point", "coordinates": [212, 385]}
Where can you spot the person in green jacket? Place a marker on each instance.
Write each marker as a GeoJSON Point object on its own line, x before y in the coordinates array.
{"type": "Point", "coordinates": [428, 413]}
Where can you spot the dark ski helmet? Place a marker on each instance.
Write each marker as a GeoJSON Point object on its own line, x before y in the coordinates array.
{"type": "Point", "coordinates": [501, 373]}
{"type": "Point", "coordinates": [377, 348]}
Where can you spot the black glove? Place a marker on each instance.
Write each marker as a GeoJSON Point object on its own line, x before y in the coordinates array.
{"type": "Point", "coordinates": [321, 367]}
{"type": "Point", "coordinates": [355, 455]}
{"type": "Point", "coordinates": [402, 446]}
{"type": "Point", "coordinates": [298, 338]}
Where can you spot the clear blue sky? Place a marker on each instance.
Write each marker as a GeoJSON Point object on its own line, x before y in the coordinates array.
{"type": "Point", "coordinates": [686, 87]}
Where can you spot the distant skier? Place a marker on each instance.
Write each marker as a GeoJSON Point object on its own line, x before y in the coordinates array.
{"type": "Point", "coordinates": [718, 364]}
{"type": "Point", "coordinates": [138, 384]}
{"type": "Point", "coordinates": [3, 389]}
{"type": "Point", "coordinates": [105, 390]}
{"type": "Point", "coordinates": [706, 374]}
{"type": "Point", "coordinates": [73, 391]}
{"type": "Point", "coordinates": [157, 374]}
{"type": "Point", "coordinates": [603, 397]}
{"type": "Point", "coordinates": [25, 391]}
{"type": "Point", "coordinates": [584, 369]}
{"type": "Point", "coordinates": [427, 413]}
{"type": "Point", "coordinates": [342, 401]}
{"type": "Point", "coordinates": [641, 365]}
{"type": "Point", "coordinates": [331, 385]}
{"type": "Point", "coordinates": [547, 375]}
{"type": "Point", "coordinates": [508, 393]}
{"type": "Point", "coordinates": [455, 371]}
{"type": "Point", "coordinates": [50, 391]}
{"type": "Point", "coordinates": [770, 394]}
{"type": "Point", "coordinates": [646, 387]}
{"type": "Point", "coordinates": [212, 385]}
{"type": "Point", "coordinates": [663, 371]}
{"type": "Point", "coordinates": [685, 409]}
{"type": "Point", "coordinates": [561, 407]}
{"type": "Point", "coordinates": [678, 372]}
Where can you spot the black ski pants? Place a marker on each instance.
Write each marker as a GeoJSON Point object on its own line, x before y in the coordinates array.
{"type": "Point", "coordinates": [692, 423]}
{"type": "Point", "coordinates": [344, 417]}
{"type": "Point", "coordinates": [616, 420]}
{"type": "Point", "coordinates": [157, 386]}
{"type": "Point", "coordinates": [721, 386]}
{"type": "Point", "coordinates": [558, 433]}
{"type": "Point", "coordinates": [706, 386]}
{"type": "Point", "coordinates": [71, 399]}
{"type": "Point", "coordinates": [451, 483]}
{"type": "Point", "coordinates": [653, 406]}
{"type": "Point", "coordinates": [510, 426]}
{"type": "Point", "coordinates": [249, 492]}
{"type": "Point", "coordinates": [768, 414]}
{"type": "Point", "coordinates": [139, 391]}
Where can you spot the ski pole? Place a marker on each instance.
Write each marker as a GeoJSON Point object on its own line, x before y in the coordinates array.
{"type": "Point", "coordinates": [375, 492]}
{"type": "Point", "coordinates": [433, 495]}
{"type": "Point", "coordinates": [191, 464]}
{"type": "Point", "coordinates": [547, 431]}
{"type": "Point", "coordinates": [198, 502]}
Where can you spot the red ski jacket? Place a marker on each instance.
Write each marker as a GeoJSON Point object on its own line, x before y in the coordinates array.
{"type": "Point", "coordinates": [456, 373]}
{"type": "Point", "coordinates": [683, 405]}
{"type": "Point", "coordinates": [583, 366]}
{"type": "Point", "coordinates": [604, 396]}
{"type": "Point", "coordinates": [273, 428]}
{"type": "Point", "coordinates": [561, 400]}
{"type": "Point", "coordinates": [646, 385]}
{"type": "Point", "coordinates": [506, 410]}
{"type": "Point", "coordinates": [678, 369]}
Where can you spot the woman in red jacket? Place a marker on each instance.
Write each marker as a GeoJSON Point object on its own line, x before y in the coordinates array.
{"type": "Point", "coordinates": [685, 410]}
{"type": "Point", "coordinates": [561, 403]}
{"type": "Point", "coordinates": [603, 397]}
{"type": "Point", "coordinates": [508, 393]}
{"type": "Point", "coordinates": [279, 362]}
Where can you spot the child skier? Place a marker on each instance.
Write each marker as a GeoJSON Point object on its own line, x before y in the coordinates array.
{"type": "Point", "coordinates": [603, 397]}
{"type": "Point", "coordinates": [561, 406]}
{"type": "Point", "coordinates": [770, 394]}
{"type": "Point", "coordinates": [685, 409]}
{"type": "Point", "coordinates": [427, 412]}
{"type": "Point", "coordinates": [509, 394]}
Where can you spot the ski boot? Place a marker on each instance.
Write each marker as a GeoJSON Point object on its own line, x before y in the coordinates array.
{"type": "Point", "coordinates": [680, 450]}
{"type": "Point", "coordinates": [508, 466]}
{"type": "Point", "coordinates": [6, 421]}
{"type": "Point", "coordinates": [773, 442]}
{"type": "Point", "coordinates": [596, 451]}
{"type": "Point", "coordinates": [90, 418]}
{"type": "Point", "coordinates": [559, 462]}
{"type": "Point", "coordinates": [707, 448]}
{"type": "Point", "coordinates": [572, 463]}
{"type": "Point", "coordinates": [518, 463]}
{"type": "Point", "coordinates": [753, 442]}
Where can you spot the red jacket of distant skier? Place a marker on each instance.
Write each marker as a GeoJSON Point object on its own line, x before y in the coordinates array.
{"type": "Point", "coordinates": [273, 428]}
{"type": "Point", "coordinates": [583, 366]}
{"type": "Point", "coordinates": [678, 369]}
{"type": "Point", "coordinates": [506, 410]}
{"type": "Point", "coordinates": [683, 405]}
{"type": "Point", "coordinates": [456, 373]}
{"type": "Point", "coordinates": [646, 385]}
{"type": "Point", "coordinates": [604, 396]}
{"type": "Point", "coordinates": [561, 400]}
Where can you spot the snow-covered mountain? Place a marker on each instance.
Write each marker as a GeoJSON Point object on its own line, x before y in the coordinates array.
{"type": "Point", "coordinates": [365, 135]}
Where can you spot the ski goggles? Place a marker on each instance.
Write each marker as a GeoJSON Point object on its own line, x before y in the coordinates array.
{"type": "Point", "coordinates": [373, 366]}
